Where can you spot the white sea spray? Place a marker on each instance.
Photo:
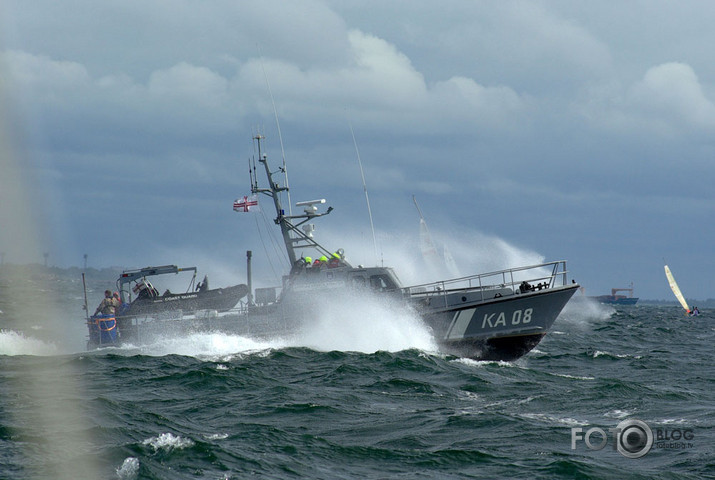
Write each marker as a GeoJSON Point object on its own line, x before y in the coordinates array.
{"type": "Point", "coordinates": [129, 469]}
{"type": "Point", "coordinates": [168, 442]}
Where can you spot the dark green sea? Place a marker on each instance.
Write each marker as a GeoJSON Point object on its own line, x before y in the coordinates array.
{"type": "Point", "coordinates": [364, 396]}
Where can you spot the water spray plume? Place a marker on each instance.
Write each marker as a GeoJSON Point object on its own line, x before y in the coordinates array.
{"type": "Point", "coordinates": [363, 322]}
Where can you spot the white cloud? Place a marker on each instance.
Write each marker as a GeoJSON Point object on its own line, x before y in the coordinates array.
{"type": "Point", "coordinates": [361, 73]}
{"type": "Point", "coordinates": [185, 82]}
{"type": "Point", "coordinates": [673, 92]}
{"type": "Point", "coordinates": [373, 76]}
{"type": "Point", "coordinates": [460, 97]}
{"type": "Point", "coordinates": [667, 101]}
{"type": "Point", "coordinates": [382, 71]}
{"type": "Point", "coordinates": [381, 88]}
{"type": "Point", "coordinates": [49, 79]}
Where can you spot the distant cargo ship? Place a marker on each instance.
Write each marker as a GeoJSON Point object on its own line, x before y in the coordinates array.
{"type": "Point", "coordinates": [615, 299]}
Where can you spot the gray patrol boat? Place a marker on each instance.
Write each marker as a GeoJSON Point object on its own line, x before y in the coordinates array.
{"type": "Point", "coordinates": [498, 315]}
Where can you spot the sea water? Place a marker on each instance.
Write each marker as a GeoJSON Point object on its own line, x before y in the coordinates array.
{"type": "Point", "coordinates": [363, 393]}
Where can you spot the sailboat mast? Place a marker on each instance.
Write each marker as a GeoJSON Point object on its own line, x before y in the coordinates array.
{"type": "Point", "coordinates": [418, 207]}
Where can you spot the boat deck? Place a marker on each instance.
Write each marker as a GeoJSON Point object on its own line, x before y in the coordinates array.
{"type": "Point", "coordinates": [489, 286]}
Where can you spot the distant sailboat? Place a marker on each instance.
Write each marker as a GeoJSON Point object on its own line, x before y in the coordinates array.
{"type": "Point", "coordinates": [676, 290]}
{"type": "Point", "coordinates": [429, 252]}
{"type": "Point", "coordinates": [445, 262]}
{"type": "Point", "coordinates": [450, 263]}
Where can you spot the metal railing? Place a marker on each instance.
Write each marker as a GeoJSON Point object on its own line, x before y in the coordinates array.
{"type": "Point", "coordinates": [519, 280]}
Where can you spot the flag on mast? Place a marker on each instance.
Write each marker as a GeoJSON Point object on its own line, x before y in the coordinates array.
{"type": "Point", "coordinates": [246, 204]}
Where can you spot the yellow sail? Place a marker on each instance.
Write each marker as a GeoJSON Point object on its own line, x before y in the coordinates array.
{"type": "Point", "coordinates": [676, 289]}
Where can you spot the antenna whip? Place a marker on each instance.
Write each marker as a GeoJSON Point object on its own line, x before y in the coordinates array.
{"type": "Point", "coordinates": [280, 136]}
{"type": "Point", "coordinates": [364, 187]}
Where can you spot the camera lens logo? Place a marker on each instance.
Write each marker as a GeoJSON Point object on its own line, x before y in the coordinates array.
{"type": "Point", "coordinates": [634, 438]}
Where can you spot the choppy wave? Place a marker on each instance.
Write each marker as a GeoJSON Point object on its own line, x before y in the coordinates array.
{"type": "Point", "coordinates": [18, 343]}
{"type": "Point", "coordinates": [370, 403]}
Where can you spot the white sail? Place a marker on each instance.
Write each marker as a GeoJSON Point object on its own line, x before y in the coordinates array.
{"type": "Point", "coordinates": [676, 289]}
{"type": "Point", "coordinates": [450, 263]}
{"type": "Point", "coordinates": [438, 264]}
{"type": "Point", "coordinates": [429, 252]}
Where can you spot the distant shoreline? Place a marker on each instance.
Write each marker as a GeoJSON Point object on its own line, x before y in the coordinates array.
{"type": "Point", "coordinates": [112, 273]}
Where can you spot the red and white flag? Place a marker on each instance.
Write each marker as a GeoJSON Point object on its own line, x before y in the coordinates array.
{"type": "Point", "coordinates": [246, 204]}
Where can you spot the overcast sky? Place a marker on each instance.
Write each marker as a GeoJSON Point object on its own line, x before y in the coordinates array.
{"type": "Point", "coordinates": [527, 130]}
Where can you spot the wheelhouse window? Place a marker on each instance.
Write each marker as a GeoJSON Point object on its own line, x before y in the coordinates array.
{"type": "Point", "coordinates": [382, 283]}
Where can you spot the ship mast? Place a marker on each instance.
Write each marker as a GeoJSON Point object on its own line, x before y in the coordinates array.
{"type": "Point", "coordinates": [293, 237]}
{"type": "Point", "coordinates": [273, 192]}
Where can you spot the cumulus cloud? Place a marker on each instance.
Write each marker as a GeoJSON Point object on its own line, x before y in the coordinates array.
{"type": "Point", "coordinates": [668, 101]}
{"type": "Point", "coordinates": [673, 92]}
{"type": "Point", "coordinates": [381, 69]}
{"type": "Point", "coordinates": [382, 88]}
{"type": "Point", "coordinates": [50, 80]}
{"type": "Point", "coordinates": [376, 81]}
{"type": "Point", "coordinates": [461, 97]}
{"type": "Point", "coordinates": [185, 82]}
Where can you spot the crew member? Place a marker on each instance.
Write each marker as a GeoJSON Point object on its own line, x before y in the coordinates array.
{"type": "Point", "coordinates": [298, 266]}
{"type": "Point", "coordinates": [108, 305]}
{"type": "Point", "coordinates": [323, 260]}
{"type": "Point", "coordinates": [203, 285]}
{"type": "Point", "coordinates": [334, 260]}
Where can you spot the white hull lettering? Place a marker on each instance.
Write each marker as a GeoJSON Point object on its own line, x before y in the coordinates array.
{"type": "Point", "coordinates": [518, 317]}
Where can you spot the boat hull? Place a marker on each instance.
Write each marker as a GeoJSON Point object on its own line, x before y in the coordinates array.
{"type": "Point", "coordinates": [219, 299]}
{"type": "Point", "coordinates": [174, 314]}
{"type": "Point", "coordinates": [616, 300]}
{"type": "Point", "coordinates": [503, 328]}
{"type": "Point", "coordinates": [482, 317]}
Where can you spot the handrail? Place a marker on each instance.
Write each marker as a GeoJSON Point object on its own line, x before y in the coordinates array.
{"type": "Point", "coordinates": [500, 279]}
